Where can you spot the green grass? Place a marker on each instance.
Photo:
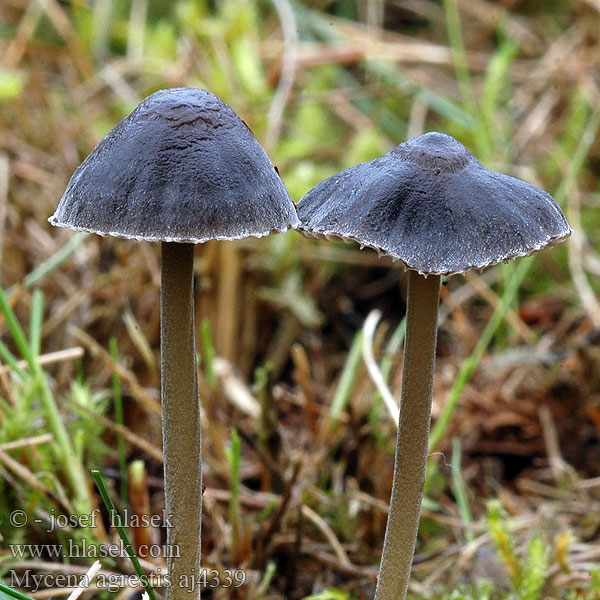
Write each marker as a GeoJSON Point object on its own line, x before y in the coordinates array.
{"type": "Point", "coordinates": [35, 379]}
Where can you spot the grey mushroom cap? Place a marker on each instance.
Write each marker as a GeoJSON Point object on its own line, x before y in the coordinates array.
{"type": "Point", "coordinates": [431, 205]}
{"type": "Point", "coordinates": [182, 167]}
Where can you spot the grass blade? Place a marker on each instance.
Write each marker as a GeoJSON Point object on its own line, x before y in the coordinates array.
{"type": "Point", "coordinates": [53, 262]}
{"type": "Point", "coordinates": [13, 593]}
{"type": "Point", "coordinates": [16, 331]}
{"type": "Point", "coordinates": [208, 353]}
{"type": "Point", "coordinates": [35, 323]}
{"type": "Point", "coordinates": [348, 377]}
{"type": "Point", "coordinates": [234, 456]}
{"type": "Point", "coordinates": [8, 357]}
{"type": "Point", "coordinates": [460, 492]}
{"type": "Point", "coordinates": [110, 506]}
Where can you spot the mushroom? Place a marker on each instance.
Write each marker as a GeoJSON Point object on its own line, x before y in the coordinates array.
{"type": "Point", "coordinates": [181, 169]}
{"type": "Point", "coordinates": [431, 205]}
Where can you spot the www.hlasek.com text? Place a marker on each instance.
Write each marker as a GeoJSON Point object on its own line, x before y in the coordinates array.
{"type": "Point", "coordinates": [85, 549]}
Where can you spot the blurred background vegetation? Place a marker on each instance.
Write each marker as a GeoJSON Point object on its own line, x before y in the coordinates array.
{"type": "Point", "coordinates": [298, 445]}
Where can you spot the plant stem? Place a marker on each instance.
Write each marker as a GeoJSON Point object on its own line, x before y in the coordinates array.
{"type": "Point", "coordinates": [181, 419]}
{"type": "Point", "coordinates": [413, 435]}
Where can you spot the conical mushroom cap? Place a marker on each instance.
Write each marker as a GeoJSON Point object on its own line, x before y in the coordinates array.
{"type": "Point", "coordinates": [181, 167]}
{"type": "Point", "coordinates": [430, 204]}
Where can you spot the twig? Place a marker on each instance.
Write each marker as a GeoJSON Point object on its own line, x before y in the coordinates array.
{"type": "Point", "coordinates": [30, 441]}
{"type": "Point", "coordinates": [234, 388]}
{"type": "Point", "coordinates": [25, 31]}
{"type": "Point", "coordinates": [60, 20]}
{"type": "Point", "coordinates": [60, 591]}
{"type": "Point", "coordinates": [119, 85]}
{"type": "Point", "coordinates": [252, 501]}
{"type": "Point", "coordinates": [589, 483]}
{"type": "Point", "coordinates": [347, 568]}
{"type": "Point", "coordinates": [24, 473]}
{"type": "Point", "coordinates": [53, 567]}
{"type": "Point", "coordinates": [558, 465]}
{"type": "Point", "coordinates": [283, 504]}
{"type": "Point", "coordinates": [139, 339]}
{"type": "Point", "coordinates": [335, 544]}
{"type": "Point", "coordinates": [131, 437]}
{"type": "Point", "coordinates": [50, 358]}
{"type": "Point", "coordinates": [125, 374]}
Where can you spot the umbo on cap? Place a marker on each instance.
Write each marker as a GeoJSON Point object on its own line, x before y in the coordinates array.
{"type": "Point", "coordinates": [432, 205]}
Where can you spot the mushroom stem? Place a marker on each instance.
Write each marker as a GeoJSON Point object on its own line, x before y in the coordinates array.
{"type": "Point", "coordinates": [180, 419]}
{"type": "Point", "coordinates": [413, 436]}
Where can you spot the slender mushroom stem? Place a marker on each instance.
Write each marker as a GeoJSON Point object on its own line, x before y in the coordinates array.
{"type": "Point", "coordinates": [413, 436]}
{"type": "Point", "coordinates": [180, 419]}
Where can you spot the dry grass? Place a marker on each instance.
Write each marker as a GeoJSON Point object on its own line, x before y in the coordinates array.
{"type": "Point", "coordinates": [315, 489]}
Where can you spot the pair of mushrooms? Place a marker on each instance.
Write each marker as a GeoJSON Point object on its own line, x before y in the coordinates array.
{"type": "Point", "coordinates": [182, 168]}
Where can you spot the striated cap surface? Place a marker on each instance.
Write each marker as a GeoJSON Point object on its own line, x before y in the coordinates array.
{"type": "Point", "coordinates": [181, 167]}
{"type": "Point", "coordinates": [430, 204]}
